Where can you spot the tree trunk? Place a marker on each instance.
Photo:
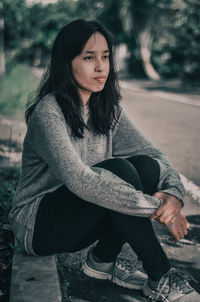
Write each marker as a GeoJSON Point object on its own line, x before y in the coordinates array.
{"type": "Point", "coordinates": [145, 41]}
{"type": "Point", "coordinates": [2, 53]}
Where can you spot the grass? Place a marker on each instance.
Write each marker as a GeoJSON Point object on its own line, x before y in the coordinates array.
{"type": "Point", "coordinates": [15, 87]}
{"type": "Point", "coordinates": [8, 179]}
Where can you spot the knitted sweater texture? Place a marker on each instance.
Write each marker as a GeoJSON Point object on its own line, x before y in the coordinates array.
{"type": "Point", "coordinates": [52, 158]}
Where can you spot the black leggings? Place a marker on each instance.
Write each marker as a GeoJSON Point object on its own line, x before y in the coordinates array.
{"type": "Point", "coordinates": [66, 223]}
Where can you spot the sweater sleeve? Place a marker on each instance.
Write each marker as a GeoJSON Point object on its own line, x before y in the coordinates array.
{"type": "Point", "coordinates": [128, 141]}
{"type": "Point", "coordinates": [52, 143]}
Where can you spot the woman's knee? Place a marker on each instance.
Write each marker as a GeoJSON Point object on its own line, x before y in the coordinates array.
{"type": "Point", "coordinates": [144, 162]}
{"type": "Point", "coordinates": [149, 171]}
{"type": "Point", "coordinates": [123, 169]}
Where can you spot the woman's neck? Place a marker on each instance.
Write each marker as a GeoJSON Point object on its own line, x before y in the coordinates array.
{"type": "Point", "coordinates": [85, 96]}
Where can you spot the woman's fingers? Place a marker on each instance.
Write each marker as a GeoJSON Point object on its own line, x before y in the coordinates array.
{"type": "Point", "coordinates": [181, 234]}
{"type": "Point", "coordinates": [158, 212]}
{"type": "Point", "coordinates": [167, 219]}
{"type": "Point", "coordinates": [168, 211]}
{"type": "Point", "coordinates": [180, 227]}
{"type": "Point", "coordinates": [175, 234]}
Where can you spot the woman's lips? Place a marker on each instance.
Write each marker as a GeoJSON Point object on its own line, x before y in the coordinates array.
{"type": "Point", "coordinates": [100, 79]}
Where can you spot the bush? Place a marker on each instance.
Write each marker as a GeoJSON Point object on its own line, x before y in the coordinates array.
{"type": "Point", "coordinates": [176, 48]}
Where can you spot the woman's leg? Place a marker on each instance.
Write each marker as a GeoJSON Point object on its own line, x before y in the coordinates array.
{"type": "Point", "coordinates": [143, 174]}
{"type": "Point", "coordinates": [64, 222]}
{"type": "Point", "coordinates": [70, 223]}
{"type": "Point", "coordinates": [62, 214]}
{"type": "Point", "coordinates": [148, 170]}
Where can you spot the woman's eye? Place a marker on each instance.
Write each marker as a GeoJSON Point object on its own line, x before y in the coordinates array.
{"type": "Point", "coordinates": [88, 58]}
{"type": "Point", "coordinates": [106, 57]}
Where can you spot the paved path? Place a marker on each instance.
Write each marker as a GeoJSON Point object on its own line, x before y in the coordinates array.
{"type": "Point", "coordinates": [170, 90]}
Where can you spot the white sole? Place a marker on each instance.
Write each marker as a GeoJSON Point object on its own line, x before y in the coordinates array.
{"type": "Point", "coordinates": [126, 285]}
{"type": "Point", "coordinates": [95, 274]}
{"type": "Point", "coordinates": [105, 276]}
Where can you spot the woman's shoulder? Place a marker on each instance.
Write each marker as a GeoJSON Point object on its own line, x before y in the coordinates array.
{"type": "Point", "coordinates": [48, 105]}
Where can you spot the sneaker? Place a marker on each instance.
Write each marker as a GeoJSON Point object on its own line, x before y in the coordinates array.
{"type": "Point", "coordinates": [172, 287]}
{"type": "Point", "coordinates": [119, 272]}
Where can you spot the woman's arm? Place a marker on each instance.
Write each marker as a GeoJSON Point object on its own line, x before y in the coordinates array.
{"type": "Point", "coordinates": [128, 141]}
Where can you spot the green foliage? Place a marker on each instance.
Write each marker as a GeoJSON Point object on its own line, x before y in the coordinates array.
{"type": "Point", "coordinates": [15, 19]}
{"type": "Point", "coordinates": [8, 179]}
{"type": "Point", "coordinates": [177, 52]}
{"type": "Point", "coordinates": [15, 88]}
{"type": "Point", "coordinates": [46, 22]}
{"type": "Point", "coordinates": [140, 11]}
{"type": "Point", "coordinates": [32, 29]}
{"type": "Point", "coordinates": [110, 17]}
{"type": "Point", "coordinates": [173, 24]}
{"type": "Point", "coordinates": [175, 32]}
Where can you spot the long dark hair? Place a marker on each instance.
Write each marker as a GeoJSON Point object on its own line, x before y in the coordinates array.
{"type": "Point", "coordinates": [59, 80]}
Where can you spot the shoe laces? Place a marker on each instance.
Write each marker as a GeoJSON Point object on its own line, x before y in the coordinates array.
{"type": "Point", "coordinates": [125, 264]}
{"type": "Point", "coordinates": [175, 279]}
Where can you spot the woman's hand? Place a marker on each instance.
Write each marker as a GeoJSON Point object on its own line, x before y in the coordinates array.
{"type": "Point", "coordinates": [179, 229]}
{"type": "Point", "coordinates": [168, 211]}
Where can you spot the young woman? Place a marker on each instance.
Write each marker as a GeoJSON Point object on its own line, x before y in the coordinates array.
{"type": "Point", "coordinates": [89, 175]}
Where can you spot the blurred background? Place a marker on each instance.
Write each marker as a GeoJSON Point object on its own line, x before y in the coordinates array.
{"type": "Point", "coordinates": [158, 60]}
{"type": "Point", "coordinates": [156, 39]}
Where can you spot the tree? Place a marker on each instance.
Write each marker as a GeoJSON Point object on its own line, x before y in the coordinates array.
{"type": "Point", "coordinates": [31, 30]}
{"type": "Point", "coordinates": [144, 14]}
{"type": "Point", "coordinates": [15, 29]}
{"type": "Point", "coordinates": [138, 18]}
{"type": "Point", "coordinates": [2, 53]}
{"type": "Point", "coordinates": [162, 35]}
{"type": "Point", "coordinates": [176, 51]}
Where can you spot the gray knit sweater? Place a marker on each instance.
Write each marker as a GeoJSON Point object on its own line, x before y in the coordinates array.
{"type": "Point", "coordinates": [52, 157]}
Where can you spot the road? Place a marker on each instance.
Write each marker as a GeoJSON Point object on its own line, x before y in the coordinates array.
{"type": "Point", "coordinates": [174, 127]}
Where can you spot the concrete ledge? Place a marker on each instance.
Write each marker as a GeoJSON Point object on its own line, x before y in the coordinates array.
{"type": "Point", "coordinates": [34, 279]}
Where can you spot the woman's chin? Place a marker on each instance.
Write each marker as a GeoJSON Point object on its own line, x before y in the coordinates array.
{"type": "Point", "coordinates": [98, 89]}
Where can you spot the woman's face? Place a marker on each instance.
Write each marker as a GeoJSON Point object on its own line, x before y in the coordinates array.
{"type": "Point", "coordinates": [91, 68]}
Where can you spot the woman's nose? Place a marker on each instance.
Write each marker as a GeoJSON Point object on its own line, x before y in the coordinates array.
{"type": "Point", "coordinates": [99, 66]}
